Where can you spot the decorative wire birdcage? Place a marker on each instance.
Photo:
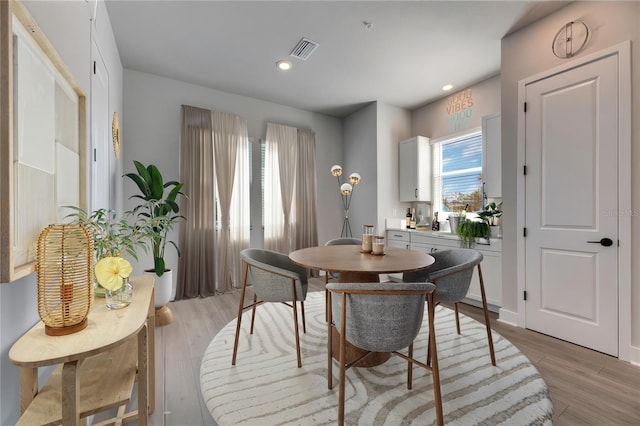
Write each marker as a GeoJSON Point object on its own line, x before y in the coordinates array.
{"type": "Point", "coordinates": [65, 278]}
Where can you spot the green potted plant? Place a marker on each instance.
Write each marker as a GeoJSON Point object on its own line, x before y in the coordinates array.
{"type": "Point", "coordinates": [160, 211]}
{"type": "Point", "coordinates": [490, 214]}
{"type": "Point", "coordinates": [469, 230]}
{"type": "Point", "coordinates": [112, 236]}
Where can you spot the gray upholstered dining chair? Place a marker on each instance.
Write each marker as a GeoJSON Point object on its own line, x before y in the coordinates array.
{"type": "Point", "coordinates": [343, 241]}
{"type": "Point", "coordinates": [381, 317]}
{"type": "Point", "coordinates": [275, 278]}
{"type": "Point", "coordinates": [451, 273]}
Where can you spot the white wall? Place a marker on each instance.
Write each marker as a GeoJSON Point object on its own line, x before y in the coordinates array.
{"type": "Point", "coordinates": [359, 150]}
{"type": "Point", "coordinates": [67, 26]}
{"type": "Point", "coordinates": [371, 137]}
{"type": "Point", "coordinates": [528, 52]}
{"type": "Point", "coordinates": [393, 126]}
{"type": "Point", "coordinates": [152, 135]}
{"type": "Point", "coordinates": [431, 120]}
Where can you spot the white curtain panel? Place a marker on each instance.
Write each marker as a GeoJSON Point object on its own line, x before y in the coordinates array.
{"type": "Point", "coordinates": [231, 156]}
{"type": "Point", "coordinates": [281, 155]}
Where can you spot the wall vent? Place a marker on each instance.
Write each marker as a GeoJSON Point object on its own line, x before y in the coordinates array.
{"type": "Point", "coordinates": [304, 49]}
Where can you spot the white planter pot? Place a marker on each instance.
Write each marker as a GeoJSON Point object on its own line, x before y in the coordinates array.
{"type": "Point", "coordinates": [163, 287]}
{"type": "Point", "coordinates": [496, 232]}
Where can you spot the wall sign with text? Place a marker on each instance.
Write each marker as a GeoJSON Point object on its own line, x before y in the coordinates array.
{"type": "Point", "coordinates": [459, 110]}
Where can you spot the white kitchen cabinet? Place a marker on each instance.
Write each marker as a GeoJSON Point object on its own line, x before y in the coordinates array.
{"type": "Point", "coordinates": [429, 242]}
{"type": "Point", "coordinates": [492, 157]}
{"type": "Point", "coordinates": [415, 169]}
{"type": "Point", "coordinates": [400, 239]}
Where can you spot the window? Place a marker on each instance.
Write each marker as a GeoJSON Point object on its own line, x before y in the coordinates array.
{"type": "Point", "coordinates": [458, 173]}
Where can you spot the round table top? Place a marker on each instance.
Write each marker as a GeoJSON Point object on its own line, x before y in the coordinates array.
{"type": "Point", "coordinates": [349, 258]}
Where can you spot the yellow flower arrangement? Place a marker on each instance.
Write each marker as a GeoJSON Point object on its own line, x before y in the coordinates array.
{"type": "Point", "coordinates": [111, 272]}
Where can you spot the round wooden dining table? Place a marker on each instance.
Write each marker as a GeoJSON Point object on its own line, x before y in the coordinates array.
{"type": "Point", "coordinates": [355, 266]}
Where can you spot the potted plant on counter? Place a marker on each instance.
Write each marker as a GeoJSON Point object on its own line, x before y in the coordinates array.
{"type": "Point", "coordinates": [469, 230]}
{"type": "Point", "coordinates": [490, 214]}
{"type": "Point", "coordinates": [160, 209]}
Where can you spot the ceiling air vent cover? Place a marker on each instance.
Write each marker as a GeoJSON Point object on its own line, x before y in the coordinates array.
{"type": "Point", "coordinates": [304, 49]}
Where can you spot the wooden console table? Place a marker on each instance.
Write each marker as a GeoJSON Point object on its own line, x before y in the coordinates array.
{"type": "Point", "coordinates": [98, 365]}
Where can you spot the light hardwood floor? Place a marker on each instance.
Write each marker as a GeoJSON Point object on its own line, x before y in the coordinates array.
{"type": "Point", "coordinates": [587, 387]}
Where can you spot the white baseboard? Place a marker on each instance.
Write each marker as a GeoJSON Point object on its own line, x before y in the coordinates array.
{"type": "Point", "coordinates": [508, 317]}
{"type": "Point", "coordinates": [634, 355]}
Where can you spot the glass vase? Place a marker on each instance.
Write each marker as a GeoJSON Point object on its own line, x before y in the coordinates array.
{"type": "Point", "coordinates": [120, 298]}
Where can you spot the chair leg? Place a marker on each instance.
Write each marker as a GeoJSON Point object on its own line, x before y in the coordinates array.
{"type": "Point", "coordinates": [253, 312]}
{"type": "Point", "coordinates": [304, 322]}
{"type": "Point", "coordinates": [329, 344]}
{"type": "Point", "coordinates": [410, 367]}
{"type": "Point", "coordinates": [435, 372]}
{"type": "Point", "coordinates": [326, 305]}
{"type": "Point", "coordinates": [343, 331]}
{"type": "Point", "coordinates": [242, 292]}
{"type": "Point", "coordinates": [295, 321]}
{"type": "Point", "coordinates": [455, 306]}
{"type": "Point", "coordinates": [326, 295]}
{"type": "Point", "coordinates": [486, 317]}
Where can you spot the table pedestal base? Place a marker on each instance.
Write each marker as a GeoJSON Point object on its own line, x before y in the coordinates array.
{"type": "Point", "coordinates": [358, 277]}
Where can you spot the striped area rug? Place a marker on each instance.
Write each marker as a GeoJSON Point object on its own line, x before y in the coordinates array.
{"type": "Point", "coordinates": [266, 388]}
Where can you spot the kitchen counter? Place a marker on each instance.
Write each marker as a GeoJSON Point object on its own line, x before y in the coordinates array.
{"type": "Point", "coordinates": [432, 241]}
{"type": "Point", "coordinates": [446, 235]}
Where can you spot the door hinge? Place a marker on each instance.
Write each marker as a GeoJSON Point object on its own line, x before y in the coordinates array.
{"type": "Point", "coordinates": [95, 155]}
{"type": "Point", "coordinates": [525, 295]}
{"type": "Point", "coordinates": [94, 67]}
{"type": "Point", "coordinates": [525, 107]}
{"type": "Point", "coordinates": [524, 169]}
{"type": "Point", "coordinates": [524, 232]}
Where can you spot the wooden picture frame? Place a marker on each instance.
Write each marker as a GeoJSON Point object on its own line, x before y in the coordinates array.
{"type": "Point", "coordinates": [41, 105]}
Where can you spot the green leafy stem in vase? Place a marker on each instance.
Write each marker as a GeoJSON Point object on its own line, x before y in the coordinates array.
{"type": "Point", "coordinates": [113, 236]}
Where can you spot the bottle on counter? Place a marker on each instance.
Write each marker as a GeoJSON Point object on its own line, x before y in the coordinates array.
{"type": "Point", "coordinates": [408, 220]}
{"type": "Point", "coordinates": [412, 222]}
{"type": "Point", "coordinates": [435, 225]}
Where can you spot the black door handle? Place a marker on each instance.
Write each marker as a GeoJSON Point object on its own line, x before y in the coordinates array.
{"type": "Point", "coordinates": [605, 242]}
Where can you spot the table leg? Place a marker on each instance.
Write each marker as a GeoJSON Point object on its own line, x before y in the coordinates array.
{"type": "Point", "coordinates": [151, 338]}
{"type": "Point", "coordinates": [28, 387]}
{"type": "Point", "coordinates": [70, 393]}
{"type": "Point", "coordinates": [143, 376]}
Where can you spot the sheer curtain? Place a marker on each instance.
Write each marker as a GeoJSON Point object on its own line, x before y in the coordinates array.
{"type": "Point", "coordinates": [196, 270]}
{"type": "Point", "coordinates": [281, 153]}
{"type": "Point", "coordinates": [231, 154]}
{"type": "Point", "coordinates": [306, 191]}
{"type": "Point", "coordinates": [290, 189]}
{"type": "Point", "coordinates": [214, 168]}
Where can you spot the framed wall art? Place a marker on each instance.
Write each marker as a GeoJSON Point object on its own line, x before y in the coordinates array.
{"type": "Point", "coordinates": [42, 139]}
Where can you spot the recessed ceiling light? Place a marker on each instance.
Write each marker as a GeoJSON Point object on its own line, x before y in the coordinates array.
{"type": "Point", "coordinates": [447, 87]}
{"type": "Point", "coordinates": [283, 65]}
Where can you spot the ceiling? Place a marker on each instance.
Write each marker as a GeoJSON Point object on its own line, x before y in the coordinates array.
{"type": "Point", "coordinates": [410, 51]}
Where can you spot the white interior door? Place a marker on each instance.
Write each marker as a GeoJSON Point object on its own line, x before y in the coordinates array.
{"type": "Point", "coordinates": [100, 132]}
{"type": "Point", "coordinates": [571, 201]}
